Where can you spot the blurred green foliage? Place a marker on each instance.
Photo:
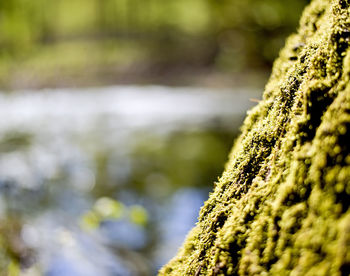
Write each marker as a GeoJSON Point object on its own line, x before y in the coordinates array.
{"type": "Point", "coordinates": [184, 159]}
{"type": "Point", "coordinates": [15, 140]}
{"type": "Point", "coordinates": [110, 209]}
{"type": "Point", "coordinates": [13, 252]}
{"type": "Point", "coordinates": [226, 35]}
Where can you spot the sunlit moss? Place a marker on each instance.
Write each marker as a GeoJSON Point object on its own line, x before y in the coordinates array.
{"type": "Point", "coordinates": [281, 206]}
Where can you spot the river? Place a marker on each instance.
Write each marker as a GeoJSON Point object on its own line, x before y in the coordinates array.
{"type": "Point", "coordinates": [149, 154]}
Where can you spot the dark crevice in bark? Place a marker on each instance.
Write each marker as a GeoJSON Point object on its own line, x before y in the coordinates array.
{"type": "Point", "coordinates": [317, 103]}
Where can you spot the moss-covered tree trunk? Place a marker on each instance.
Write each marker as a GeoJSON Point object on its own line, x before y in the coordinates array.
{"type": "Point", "coordinates": [282, 204]}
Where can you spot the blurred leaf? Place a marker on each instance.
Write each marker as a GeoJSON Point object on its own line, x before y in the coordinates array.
{"type": "Point", "coordinates": [90, 221]}
{"type": "Point", "coordinates": [138, 215]}
{"type": "Point", "coordinates": [109, 208]}
{"type": "Point", "coordinates": [13, 269]}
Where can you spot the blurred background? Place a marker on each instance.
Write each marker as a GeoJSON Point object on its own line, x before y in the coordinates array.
{"type": "Point", "coordinates": [116, 119]}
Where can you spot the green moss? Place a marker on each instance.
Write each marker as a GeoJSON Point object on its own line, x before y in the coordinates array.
{"type": "Point", "coordinates": [281, 206]}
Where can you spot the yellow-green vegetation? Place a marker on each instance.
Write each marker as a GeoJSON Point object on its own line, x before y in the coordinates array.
{"type": "Point", "coordinates": [281, 206]}
{"type": "Point", "coordinates": [93, 42]}
{"type": "Point", "coordinates": [13, 252]}
{"type": "Point", "coordinates": [109, 209]}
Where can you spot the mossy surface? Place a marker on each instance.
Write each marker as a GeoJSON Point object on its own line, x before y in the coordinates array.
{"type": "Point", "coordinates": [281, 206]}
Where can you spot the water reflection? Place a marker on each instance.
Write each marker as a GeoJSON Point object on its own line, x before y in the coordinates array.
{"type": "Point", "coordinates": [108, 181]}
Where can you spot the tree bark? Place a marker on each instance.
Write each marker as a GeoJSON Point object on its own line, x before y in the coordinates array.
{"type": "Point", "coordinates": [281, 206]}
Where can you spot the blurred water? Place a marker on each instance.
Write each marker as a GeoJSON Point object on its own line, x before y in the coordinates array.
{"type": "Point", "coordinates": [61, 150]}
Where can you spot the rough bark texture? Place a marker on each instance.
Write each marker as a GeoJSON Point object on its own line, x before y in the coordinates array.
{"type": "Point", "coordinates": [282, 204]}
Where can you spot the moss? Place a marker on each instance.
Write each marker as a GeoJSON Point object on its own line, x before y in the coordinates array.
{"type": "Point", "coordinates": [281, 206]}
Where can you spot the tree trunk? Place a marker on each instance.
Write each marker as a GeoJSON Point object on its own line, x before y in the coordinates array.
{"type": "Point", "coordinates": [281, 206]}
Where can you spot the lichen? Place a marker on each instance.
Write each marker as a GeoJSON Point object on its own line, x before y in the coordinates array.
{"type": "Point", "coordinates": [281, 206]}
